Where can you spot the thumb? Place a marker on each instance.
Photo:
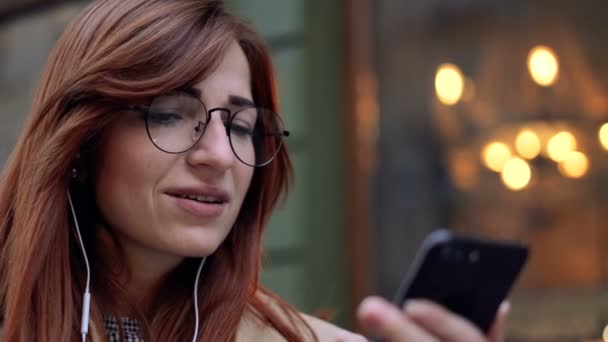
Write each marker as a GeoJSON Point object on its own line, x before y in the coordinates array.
{"type": "Point", "coordinates": [497, 332]}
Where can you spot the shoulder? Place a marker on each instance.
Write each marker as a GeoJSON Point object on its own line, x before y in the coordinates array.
{"type": "Point", "coordinates": [253, 328]}
{"type": "Point", "coordinates": [326, 331]}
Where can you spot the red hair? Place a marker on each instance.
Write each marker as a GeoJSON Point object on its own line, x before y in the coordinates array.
{"type": "Point", "coordinates": [119, 51]}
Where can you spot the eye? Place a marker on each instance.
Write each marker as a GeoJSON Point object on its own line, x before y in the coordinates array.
{"type": "Point", "coordinates": [241, 128]}
{"type": "Point", "coordinates": [164, 118]}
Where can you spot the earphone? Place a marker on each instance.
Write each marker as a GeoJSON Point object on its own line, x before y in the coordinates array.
{"type": "Point", "coordinates": [86, 301]}
{"type": "Point", "coordinates": [195, 296]}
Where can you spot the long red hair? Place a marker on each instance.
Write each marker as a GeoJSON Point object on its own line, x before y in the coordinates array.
{"type": "Point", "coordinates": [126, 51]}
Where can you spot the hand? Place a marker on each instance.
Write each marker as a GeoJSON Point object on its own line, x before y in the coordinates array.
{"type": "Point", "coordinates": [424, 321]}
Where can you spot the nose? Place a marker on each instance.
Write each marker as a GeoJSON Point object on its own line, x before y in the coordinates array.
{"type": "Point", "coordinates": [213, 149]}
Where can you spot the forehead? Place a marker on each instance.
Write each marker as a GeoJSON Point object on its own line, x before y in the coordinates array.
{"type": "Point", "coordinates": [231, 77]}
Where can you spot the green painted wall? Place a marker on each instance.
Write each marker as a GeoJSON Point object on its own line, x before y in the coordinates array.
{"type": "Point", "coordinates": [305, 242]}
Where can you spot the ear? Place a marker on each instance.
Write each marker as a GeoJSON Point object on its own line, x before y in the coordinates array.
{"type": "Point", "coordinates": [78, 171]}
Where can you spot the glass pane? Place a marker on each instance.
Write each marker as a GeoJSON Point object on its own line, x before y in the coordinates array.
{"type": "Point", "coordinates": [492, 116]}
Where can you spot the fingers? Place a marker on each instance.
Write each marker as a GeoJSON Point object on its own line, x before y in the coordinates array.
{"type": "Point", "coordinates": [441, 323]}
{"type": "Point", "coordinates": [425, 321]}
{"type": "Point", "coordinates": [497, 332]}
{"type": "Point", "coordinates": [345, 336]}
{"type": "Point", "coordinates": [384, 319]}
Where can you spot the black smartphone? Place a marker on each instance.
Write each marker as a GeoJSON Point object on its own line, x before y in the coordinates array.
{"type": "Point", "coordinates": [468, 276]}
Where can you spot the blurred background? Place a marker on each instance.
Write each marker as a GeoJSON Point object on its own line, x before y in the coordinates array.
{"type": "Point", "coordinates": [485, 116]}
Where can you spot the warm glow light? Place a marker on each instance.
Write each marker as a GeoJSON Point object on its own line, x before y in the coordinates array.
{"type": "Point", "coordinates": [527, 144]}
{"type": "Point", "coordinates": [560, 145]}
{"type": "Point", "coordinates": [449, 84]}
{"type": "Point", "coordinates": [495, 155]}
{"type": "Point", "coordinates": [516, 174]}
{"type": "Point", "coordinates": [468, 93]}
{"type": "Point", "coordinates": [605, 334]}
{"type": "Point", "coordinates": [603, 135]}
{"type": "Point", "coordinates": [543, 65]}
{"type": "Point", "coordinates": [575, 165]}
{"type": "Point", "coordinates": [463, 170]}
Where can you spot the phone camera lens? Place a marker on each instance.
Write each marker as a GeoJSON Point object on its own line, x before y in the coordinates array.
{"type": "Point", "coordinates": [474, 256]}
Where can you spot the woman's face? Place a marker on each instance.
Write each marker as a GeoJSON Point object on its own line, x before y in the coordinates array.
{"type": "Point", "coordinates": [177, 205]}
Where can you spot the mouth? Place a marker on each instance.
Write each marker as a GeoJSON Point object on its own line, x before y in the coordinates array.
{"type": "Point", "coordinates": [204, 203]}
{"type": "Point", "coordinates": [202, 199]}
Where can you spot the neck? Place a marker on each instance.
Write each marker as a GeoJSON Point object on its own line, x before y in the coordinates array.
{"type": "Point", "coordinates": [143, 269]}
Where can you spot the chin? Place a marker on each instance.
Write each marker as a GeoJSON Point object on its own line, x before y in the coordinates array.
{"type": "Point", "coordinates": [197, 247]}
{"type": "Point", "coordinates": [200, 252]}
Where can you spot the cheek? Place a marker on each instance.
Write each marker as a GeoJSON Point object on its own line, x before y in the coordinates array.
{"type": "Point", "coordinates": [128, 170]}
{"type": "Point", "coordinates": [243, 174]}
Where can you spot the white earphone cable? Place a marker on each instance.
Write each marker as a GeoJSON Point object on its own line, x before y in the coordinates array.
{"type": "Point", "coordinates": [195, 296]}
{"type": "Point", "coordinates": [86, 300]}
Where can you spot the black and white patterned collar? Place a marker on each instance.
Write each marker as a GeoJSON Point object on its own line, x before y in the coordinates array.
{"type": "Point", "coordinates": [130, 329]}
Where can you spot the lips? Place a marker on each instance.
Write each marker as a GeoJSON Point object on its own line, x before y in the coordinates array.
{"type": "Point", "coordinates": [204, 202]}
{"type": "Point", "coordinates": [202, 198]}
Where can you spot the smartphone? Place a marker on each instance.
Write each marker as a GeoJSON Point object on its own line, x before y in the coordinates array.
{"type": "Point", "coordinates": [468, 276]}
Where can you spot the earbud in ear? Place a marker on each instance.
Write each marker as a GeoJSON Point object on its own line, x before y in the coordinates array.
{"type": "Point", "coordinates": [77, 172]}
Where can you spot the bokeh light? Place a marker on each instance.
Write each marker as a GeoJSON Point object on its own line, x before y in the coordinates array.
{"type": "Point", "coordinates": [528, 144]}
{"type": "Point", "coordinates": [495, 155]}
{"type": "Point", "coordinates": [543, 65]}
{"type": "Point", "coordinates": [574, 165]}
{"type": "Point", "coordinates": [449, 84]}
{"type": "Point", "coordinates": [560, 145]}
{"type": "Point", "coordinates": [516, 174]}
{"type": "Point", "coordinates": [603, 136]}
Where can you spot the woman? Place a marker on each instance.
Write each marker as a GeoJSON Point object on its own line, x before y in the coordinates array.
{"type": "Point", "coordinates": [134, 203]}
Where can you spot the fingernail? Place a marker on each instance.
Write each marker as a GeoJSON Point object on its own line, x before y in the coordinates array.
{"type": "Point", "coordinates": [505, 307]}
{"type": "Point", "coordinates": [344, 337]}
{"type": "Point", "coordinates": [370, 311]}
{"type": "Point", "coordinates": [370, 305]}
{"type": "Point", "coordinates": [341, 337]}
{"type": "Point", "coordinates": [414, 307]}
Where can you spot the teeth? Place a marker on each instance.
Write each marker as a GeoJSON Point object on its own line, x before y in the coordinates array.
{"type": "Point", "coordinates": [206, 199]}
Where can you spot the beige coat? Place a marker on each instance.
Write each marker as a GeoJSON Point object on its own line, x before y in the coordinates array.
{"type": "Point", "coordinates": [251, 329]}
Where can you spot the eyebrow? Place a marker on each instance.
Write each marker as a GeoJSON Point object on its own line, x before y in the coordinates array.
{"type": "Point", "coordinates": [192, 91]}
{"type": "Point", "coordinates": [240, 101]}
{"type": "Point", "coordinates": [235, 100]}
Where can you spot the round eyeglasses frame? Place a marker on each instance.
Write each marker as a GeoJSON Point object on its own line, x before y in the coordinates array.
{"type": "Point", "coordinates": [203, 125]}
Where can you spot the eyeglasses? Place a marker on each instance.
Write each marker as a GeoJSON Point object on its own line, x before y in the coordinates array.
{"type": "Point", "coordinates": [176, 122]}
